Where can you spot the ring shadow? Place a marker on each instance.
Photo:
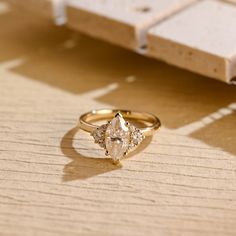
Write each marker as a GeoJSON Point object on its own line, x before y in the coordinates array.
{"type": "Point", "coordinates": [83, 167]}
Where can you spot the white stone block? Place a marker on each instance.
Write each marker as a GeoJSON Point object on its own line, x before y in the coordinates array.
{"type": "Point", "coordinates": [52, 9]}
{"type": "Point", "coordinates": [122, 22]}
{"type": "Point", "coordinates": [202, 39]}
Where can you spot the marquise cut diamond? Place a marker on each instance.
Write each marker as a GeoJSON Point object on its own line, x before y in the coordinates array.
{"type": "Point", "coordinates": [117, 137]}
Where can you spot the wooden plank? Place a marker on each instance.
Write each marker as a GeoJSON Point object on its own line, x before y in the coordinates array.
{"type": "Point", "coordinates": [200, 39]}
{"type": "Point", "coordinates": [121, 22]}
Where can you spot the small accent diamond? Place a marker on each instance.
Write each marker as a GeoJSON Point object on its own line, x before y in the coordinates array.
{"type": "Point", "coordinates": [99, 135]}
{"type": "Point", "coordinates": [136, 137]}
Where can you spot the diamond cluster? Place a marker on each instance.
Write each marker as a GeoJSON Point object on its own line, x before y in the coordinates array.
{"type": "Point", "coordinates": [117, 137]}
{"type": "Point", "coordinates": [136, 137]}
{"type": "Point", "coordinates": [99, 135]}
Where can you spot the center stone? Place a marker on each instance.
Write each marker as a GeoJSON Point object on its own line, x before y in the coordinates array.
{"type": "Point", "coordinates": [117, 137]}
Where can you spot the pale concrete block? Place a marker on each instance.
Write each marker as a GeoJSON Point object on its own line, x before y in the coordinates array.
{"type": "Point", "coordinates": [123, 22]}
{"type": "Point", "coordinates": [52, 9]}
{"type": "Point", "coordinates": [201, 38]}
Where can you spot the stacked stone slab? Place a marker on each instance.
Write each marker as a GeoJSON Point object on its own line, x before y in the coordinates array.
{"type": "Point", "coordinates": [195, 35]}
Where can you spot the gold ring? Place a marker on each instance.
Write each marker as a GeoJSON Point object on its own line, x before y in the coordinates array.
{"type": "Point", "coordinates": [118, 136]}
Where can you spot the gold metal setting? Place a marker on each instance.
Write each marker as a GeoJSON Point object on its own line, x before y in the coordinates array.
{"type": "Point", "coordinates": [118, 136]}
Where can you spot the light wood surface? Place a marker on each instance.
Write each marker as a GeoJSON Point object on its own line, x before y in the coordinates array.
{"type": "Point", "coordinates": [201, 39]}
{"type": "Point", "coordinates": [55, 181]}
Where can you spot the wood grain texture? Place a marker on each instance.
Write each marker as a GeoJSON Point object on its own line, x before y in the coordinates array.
{"type": "Point", "coordinates": [199, 39]}
{"type": "Point", "coordinates": [55, 181]}
{"type": "Point", "coordinates": [121, 22]}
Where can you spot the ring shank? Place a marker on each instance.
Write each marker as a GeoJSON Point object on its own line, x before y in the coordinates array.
{"type": "Point", "coordinates": [86, 120]}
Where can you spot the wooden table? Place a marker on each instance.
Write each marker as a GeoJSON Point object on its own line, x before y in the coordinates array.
{"type": "Point", "coordinates": [55, 181]}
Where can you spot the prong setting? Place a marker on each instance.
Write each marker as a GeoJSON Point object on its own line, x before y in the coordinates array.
{"type": "Point", "coordinates": [117, 137]}
{"type": "Point", "coordinates": [116, 162]}
{"type": "Point", "coordinates": [118, 114]}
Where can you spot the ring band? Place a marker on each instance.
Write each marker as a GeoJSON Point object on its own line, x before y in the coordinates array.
{"type": "Point", "coordinates": [118, 136]}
